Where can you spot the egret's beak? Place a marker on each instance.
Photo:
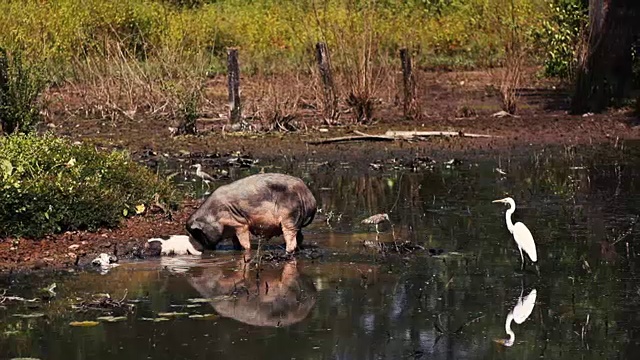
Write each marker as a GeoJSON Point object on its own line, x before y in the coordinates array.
{"type": "Point", "coordinates": [499, 201]}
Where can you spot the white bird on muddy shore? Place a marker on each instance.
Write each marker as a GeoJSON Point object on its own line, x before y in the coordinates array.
{"type": "Point", "coordinates": [376, 219]}
{"type": "Point", "coordinates": [521, 233]}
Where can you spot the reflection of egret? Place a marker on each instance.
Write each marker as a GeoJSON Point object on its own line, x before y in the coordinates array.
{"type": "Point", "coordinates": [203, 175]}
{"type": "Point", "coordinates": [521, 233]}
{"type": "Point", "coordinates": [519, 314]}
{"type": "Point", "coordinates": [376, 219]}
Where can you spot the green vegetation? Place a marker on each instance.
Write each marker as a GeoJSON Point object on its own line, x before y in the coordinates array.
{"type": "Point", "coordinates": [49, 185]}
{"type": "Point", "coordinates": [272, 35]}
{"type": "Point", "coordinates": [20, 87]}
{"type": "Point", "coordinates": [561, 35]}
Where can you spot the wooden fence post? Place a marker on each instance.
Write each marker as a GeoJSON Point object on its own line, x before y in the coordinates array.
{"type": "Point", "coordinates": [233, 73]}
{"type": "Point", "coordinates": [324, 65]}
{"type": "Point", "coordinates": [408, 81]}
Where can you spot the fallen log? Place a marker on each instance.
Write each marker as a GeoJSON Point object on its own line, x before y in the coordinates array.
{"type": "Point", "coordinates": [395, 135]}
{"type": "Point", "coordinates": [359, 137]}
{"type": "Point", "coordinates": [411, 134]}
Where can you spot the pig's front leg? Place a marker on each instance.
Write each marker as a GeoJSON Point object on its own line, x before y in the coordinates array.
{"type": "Point", "coordinates": [244, 237]}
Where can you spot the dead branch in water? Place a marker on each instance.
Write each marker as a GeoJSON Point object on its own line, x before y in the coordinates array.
{"type": "Point", "coordinates": [392, 135]}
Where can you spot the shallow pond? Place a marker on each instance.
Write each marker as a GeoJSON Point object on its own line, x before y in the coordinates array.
{"type": "Point", "coordinates": [448, 299]}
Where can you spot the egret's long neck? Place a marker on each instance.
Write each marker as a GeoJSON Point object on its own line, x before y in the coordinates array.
{"type": "Point", "coordinates": [508, 214]}
{"type": "Point", "coordinates": [507, 328]}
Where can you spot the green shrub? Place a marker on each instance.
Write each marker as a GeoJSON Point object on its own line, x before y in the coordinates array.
{"type": "Point", "coordinates": [560, 37]}
{"type": "Point", "coordinates": [20, 87]}
{"type": "Point", "coordinates": [49, 185]}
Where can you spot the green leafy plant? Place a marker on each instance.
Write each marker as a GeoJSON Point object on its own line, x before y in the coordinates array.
{"type": "Point", "coordinates": [49, 185]}
{"type": "Point", "coordinates": [560, 36]}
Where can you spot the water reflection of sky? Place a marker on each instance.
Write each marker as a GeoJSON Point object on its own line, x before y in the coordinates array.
{"type": "Point", "coordinates": [366, 306]}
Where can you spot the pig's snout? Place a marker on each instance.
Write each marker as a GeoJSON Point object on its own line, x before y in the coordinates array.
{"type": "Point", "coordinates": [203, 233]}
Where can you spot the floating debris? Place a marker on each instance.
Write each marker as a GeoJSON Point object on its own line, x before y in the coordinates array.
{"type": "Point", "coordinates": [84, 323]}
{"type": "Point", "coordinates": [105, 262]}
{"type": "Point", "coordinates": [452, 163]}
{"type": "Point", "coordinates": [404, 247]}
{"type": "Point", "coordinates": [158, 319]}
{"type": "Point", "coordinates": [203, 316]}
{"type": "Point", "coordinates": [172, 314]}
{"type": "Point", "coordinates": [419, 163]}
{"type": "Point", "coordinates": [199, 300]}
{"type": "Point", "coordinates": [48, 292]}
{"type": "Point", "coordinates": [104, 302]}
{"type": "Point", "coordinates": [500, 171]}
{"type": "Point", "coordinates": [28, 316]}
{"type": "Point", "coordinates": [188, 306]}
{"type": "Point", "coordinates": [112, 318]}
{"type": "Point", "coordinates": [241, 161]}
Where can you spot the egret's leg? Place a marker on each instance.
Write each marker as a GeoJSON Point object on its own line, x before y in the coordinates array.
{"type": "Point", "coordinates": [521, 257]}
{"type": "Point", "coordinates": [377, 229]}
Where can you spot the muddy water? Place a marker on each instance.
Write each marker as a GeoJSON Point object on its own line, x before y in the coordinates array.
{"type": "Point", "coordinates": [348, 301]}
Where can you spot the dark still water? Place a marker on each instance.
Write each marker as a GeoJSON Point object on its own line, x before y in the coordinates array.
{"type": "Point", "coordinates": [351, 301]}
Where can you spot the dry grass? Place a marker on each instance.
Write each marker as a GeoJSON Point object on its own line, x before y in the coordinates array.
{"type": "Point", "coordinates": [118, 87]}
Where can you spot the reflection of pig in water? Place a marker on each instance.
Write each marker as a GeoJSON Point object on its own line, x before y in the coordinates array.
{"type": "Point", "coordinates": [282, 297]}
{"type": "Point", "coordinates": [264, 205]}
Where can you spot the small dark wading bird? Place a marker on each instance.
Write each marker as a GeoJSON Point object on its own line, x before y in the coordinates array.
{"type": "Point", "coordinates": [376, 219]}
{"type": "Point", "coordinates": [521, 233]}
{"type": "Point", "coordinates": [203, 175]}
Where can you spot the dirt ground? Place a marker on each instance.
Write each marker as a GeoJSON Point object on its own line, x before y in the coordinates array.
{"type": "Point", "coordinates": [461, 102]}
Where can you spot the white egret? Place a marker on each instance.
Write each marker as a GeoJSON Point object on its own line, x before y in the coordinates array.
{"type": "Point", "coordinates": [519, 314]}
{"type": "Point", "coordinates": [376, 219]}
{"type": "Point", "coordinates": [521, 233]}
{"type": "Point", "coordinates": [203, 175]}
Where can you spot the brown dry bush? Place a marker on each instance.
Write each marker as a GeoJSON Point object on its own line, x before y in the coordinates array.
{"type": "Point", "coordinates": [358, 58]}
{"type": "Point", "coordinates": [277, 103]}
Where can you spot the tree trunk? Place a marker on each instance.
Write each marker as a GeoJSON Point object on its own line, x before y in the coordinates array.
{"type": "Point", "coordinates": [604, 72]}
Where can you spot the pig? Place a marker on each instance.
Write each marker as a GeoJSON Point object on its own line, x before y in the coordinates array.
{"type": "Point", "coordinates": [264, 205]}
